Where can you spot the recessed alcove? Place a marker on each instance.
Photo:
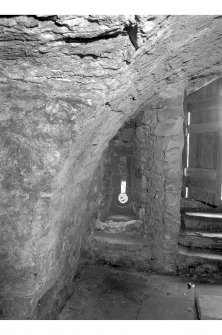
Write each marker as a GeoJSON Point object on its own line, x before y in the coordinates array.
{"type": "Point", "coordinates": [118, 176]}
{"type": "Point", "coordinates": [145, 154]}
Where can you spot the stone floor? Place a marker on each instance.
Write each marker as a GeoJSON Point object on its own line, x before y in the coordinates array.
{"type": "Point", "coordinates": [104, 292]}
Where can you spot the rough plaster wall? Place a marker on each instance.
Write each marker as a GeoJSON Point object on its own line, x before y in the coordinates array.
{"type": "Point", "coordinates": [53, 95]}
{"type": "Point", "coordinates": [67, 86]}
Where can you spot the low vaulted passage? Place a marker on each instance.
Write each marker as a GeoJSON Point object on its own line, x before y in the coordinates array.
{"type": "Point", "coordinates": [146, 153]}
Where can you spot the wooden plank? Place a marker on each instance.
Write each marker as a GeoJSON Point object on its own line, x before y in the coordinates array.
{"type": "Point", "coordinates": [219, 89]}
{"type": "Point", "coordinates": [201, 109]}
{"type": "Point", "coordinates": [201, 173]}
{"type": "Point", "coordinates": [218, 170]}
{"type": "Point", "coordinates": [203, 177]}
{"type": "Point", "coordinates": [207, 91]}
{"type": "Point", "coordinates": [210, 127]}
{"type": "Point", "coordinates": [206, 116]}
{"type": "Point", "coordinates": [202, 195]}
{"type": "Point", "coordinates": [203, 150]}
{"type": "Point", "coordinates": [184, 153]}
{"type": "Point", "coordinates": [203, 183]}
{"type": "Point", "coordinates": [209, 102]}
{"type": "Point", "coordinates": [219, 148]}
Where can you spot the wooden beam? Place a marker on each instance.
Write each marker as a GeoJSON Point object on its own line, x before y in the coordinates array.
{"type": "Point", "coordinates": [207, 102]}
{"type": "Point", "coordinates": [210, 127]}
{"type": "Point", "coordinates": [196, 109]}
{"type": "Point", "coordinates": [207, 184]}
{"type": "Point", "coordinates": [202, 195]}
{"type": "Point", "coordinates": [219, 148]}
{"type": "Point", "coordinates": [185, 152]}
{"type": "Point", "coordinates": [201, 173]}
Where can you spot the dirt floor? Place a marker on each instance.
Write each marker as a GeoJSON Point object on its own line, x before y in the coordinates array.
{"type": "Point", "coordinates": [104, 292]}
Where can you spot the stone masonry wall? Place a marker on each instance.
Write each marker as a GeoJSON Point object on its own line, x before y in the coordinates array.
{"type": "Point", "coordinates": [67, 85]}
{"type": "Point", "coordinates": [158, 165]}
{"type": "Point", "coordinates": [56, 77]}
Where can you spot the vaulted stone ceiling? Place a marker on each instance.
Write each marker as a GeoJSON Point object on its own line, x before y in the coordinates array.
{"type": "Point", "coordinates": [68, 83]}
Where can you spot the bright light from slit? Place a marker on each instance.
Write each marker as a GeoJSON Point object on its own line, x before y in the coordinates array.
{"type": "Point", "coordinates": [188, 152]}
{"type": "Point", "coordinates": [186, 195]}
{"type": "Point", "coordinates": [123, 198]}
{"type": "Point", "coordinates": [188, 140]}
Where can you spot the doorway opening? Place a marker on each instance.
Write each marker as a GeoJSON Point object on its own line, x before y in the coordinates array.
{"type": "Point", "coordinates": [202, 155]}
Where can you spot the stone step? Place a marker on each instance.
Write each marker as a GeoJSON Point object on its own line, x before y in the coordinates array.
{"type": "Point", "coordinates": [212, 215]}
{"type": "Point", "coordinates": [197, 253]}
{"type": "Point", "coordinates": [202, 220]}
{"type": "Point", "coordinates": [194, 261]}
{"type": "Point", "coordinates": [122, 249]}
{"type": "Point", "coordinates": [209, 307]}
{"type": "Point", "coordinates": [123, 241]}
{"type": "Point", "coordinates": [201, 239]}
{"type": "Point", "coordinates": [120, 218]}
{"type": "Point", "coordinates": [132, 226]}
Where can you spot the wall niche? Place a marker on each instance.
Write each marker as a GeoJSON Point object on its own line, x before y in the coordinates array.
{"type": "Point", "coordinates": [119, 176]}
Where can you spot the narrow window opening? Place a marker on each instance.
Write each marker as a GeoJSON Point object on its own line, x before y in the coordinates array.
{"type": "Point", "coordinates": [188, 149]}
{"type": "Point", "coordinates": [188, 119]}
{"type": "Point", "coordinates": [123, 198]}
{"type": "Point", "coordinates": [186, 192]}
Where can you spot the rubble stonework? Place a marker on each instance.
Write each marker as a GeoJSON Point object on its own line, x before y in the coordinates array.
{"type": "Point", "coordinates": [67, 85]}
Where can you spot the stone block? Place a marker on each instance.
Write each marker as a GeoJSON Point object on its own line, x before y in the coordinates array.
{"type": "Point", "coordinates": [172, 199]}
{"type": "Point", "coordinates": [209, 307]}
{"type": "Point", "coordinates": [167, 308]}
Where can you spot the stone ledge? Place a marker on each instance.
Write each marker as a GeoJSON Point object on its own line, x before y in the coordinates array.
{"type": "Point", "coordinates": [210, 215]}
{"type": "Point", "coordinates": [119, 226]}
{"type": "Point", "coordinates": [201, 239]}
{"type": "Point", "coordinates": [120, 239]}
{"type": "Point", "coordinates": [191, 252]}
{"type": "Point", "coordinates": [123, 249]}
